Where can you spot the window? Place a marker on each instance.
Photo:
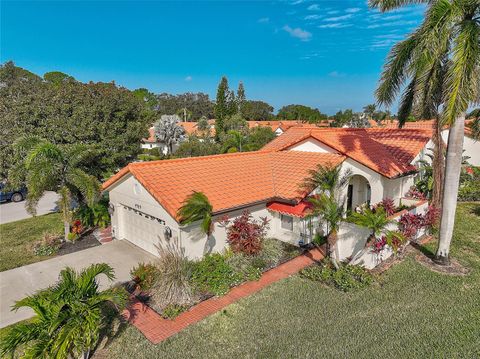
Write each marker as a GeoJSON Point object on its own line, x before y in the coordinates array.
{"type": "Point", "coordinates": [287, 222]}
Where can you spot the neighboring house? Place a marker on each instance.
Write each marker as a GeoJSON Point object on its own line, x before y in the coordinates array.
{"type": "Point", "coordinates": [471, 146]}
{"type": "Point", "coordinates": [156, 141]}
{"type": "Point", "coordinates": [145, 197]}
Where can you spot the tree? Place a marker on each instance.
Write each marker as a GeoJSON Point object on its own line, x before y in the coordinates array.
{"type": "Point", "coordinates": [196, 147]}
{"type": "Point", "coordinates": [342, 118]}
{"type": "Point", "coordinates": [376, 221]}
{"type": "Point", "coordinates": [441, 58]}
{"type": "Point", "coordinates": [301, 113]}
{"type": "Point", "coordinates": [235, 122]}
{"type": "Point", "coordinates": [327, 208]}
{"type": "Point", "coordinates": [168, 131]}
{"type": "Point", "coordinates": [257, 111]}
{"type": "Point", "coordinates": [104, 115]}
{"type": "Point", "coordinates": [221, 105]}
{"type": "Point", "coordinates": [327, 178]}
{"type": "Point", "coordinates": [240, 98]}
{"type": "Point", "coordinates": [57, 77]}
{"type": "Point", "coordinates": [197, 207]}
{"type": "Point", "coordinates": [147, 97]}
{"type": "Point", "coordinates": [259, 137]}
{"type": "Point", "coordinates": [68, 316]}
{"type": "Point", "coordinates": [196, 104]}
{"type": "Point", "coordinates": [369, 110]}
{"type": "Point", "coordinates": [49, 167]}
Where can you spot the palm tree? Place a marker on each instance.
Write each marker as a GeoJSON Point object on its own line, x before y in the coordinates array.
{"type": "Point", "coordinates": [376, 221]}
{"type": "Point", "coordinates": [197, 207]}
{"type": "Point", "coordinates": [69, 316]}
{"type": "Point", "coordinates": [45, 166]}
{"type": "Point", "coordinates": [327, 178]}
{"type": "Point", "coordinates": [328, 209]}
{"type": "Point", "coordinates": [441, 61]}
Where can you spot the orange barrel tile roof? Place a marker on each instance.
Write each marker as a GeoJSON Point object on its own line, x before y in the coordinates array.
{"type": "Point", "coordinates": [386, 151]}
{"type": "Point", "coordinates": [229, 180]}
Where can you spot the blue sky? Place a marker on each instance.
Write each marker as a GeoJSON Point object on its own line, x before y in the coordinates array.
{"type": "Point", "coordinates": [325, 54]}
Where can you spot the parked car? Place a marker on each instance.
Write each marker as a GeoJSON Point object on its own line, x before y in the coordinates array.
{"type": "Point", "coordinates": [15, 195]}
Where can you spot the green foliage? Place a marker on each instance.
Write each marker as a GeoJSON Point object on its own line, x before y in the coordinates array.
{"type": "Point", "coordinates": [319, 240]}
{"type": "Point", "coordinates": [48, 246]}
{"type": "Point", "coordinates": [327, 178]}
{"type": "Point", "coordinates": [272, 252]}
{"type": "Point", "coordinates": [196, 147]}
{"type": "Point", "coordinates": [145, 275]}
{"type": "Point", "coordinates": [375, 221]}
{"type": "Point", "coordinates": [72, 237]}
{"type": "Point", "coordinates": [103, 115]}
{"type": "Point", "coordinates": [469, 191]}
{"type": "Point", "coordinates": [258, 137]}
{"type": "Point", "coordinates": [197, 207]}
{"type": "Point", "coordinates": [257, 110]}
{"type": "Point", "coordinates": [342, 118]}
{"type": "Point", "coordinates": [57, 77]}
{"type": "Point", "coordinates": [224, 105]}
{"type": "Point", "coordinates": [95, 215]}
{"type": "Point", "coordinates": [173, 310]}
{"type": "Point", "coordinates": [68, 316]}
{"type": "Point", "coordinates": [346, 278]}
{"type": "Point", "coordinates": [147, 97]}
{"type": "Point", "coordinates": [244, 266]}
{"type": "Point", "coordinates": [213, 275]}
{"type": "Point", "coordinates": [301, 113]}
{"type": "Point", "coordinates": [197, 105]}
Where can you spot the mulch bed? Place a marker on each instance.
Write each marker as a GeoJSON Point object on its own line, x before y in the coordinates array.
{"type": "Point", "coordinates": [454, 268]}
{"type": "Point", "coordinates": [87, 241]}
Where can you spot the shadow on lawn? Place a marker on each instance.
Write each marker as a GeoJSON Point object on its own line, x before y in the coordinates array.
{"type": "Point", "coordinates": [476, 210]}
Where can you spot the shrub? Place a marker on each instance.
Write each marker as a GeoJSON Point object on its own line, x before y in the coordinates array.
{"type": "Point", "coordinates": [271, 253]}
{"type": "Point", "coordinates": [469, 191]}
{"type": "Point", "coordinates": [72, 237]}
{"type": "Point", "coordinates": [173, 283]}
{"type": "Point", "coordinates": [77, 227]}
{"type": "Point", "coordinates": [431, 216]}
{"type": "Point", "coordinates": [245, 234]}
{"type": "Point", "coordinates": [213, 275]}
{"type": "Point", "coordinates": [410, 224]}
{"type": "Point", "coordinates": [48, 245]}
{"type": "Point", "coordinates": [244, 266]}
{"type": "Point", "coordinates": [346, 278]}
{"type": "Point", "coordinates": [173, 310]}
{"type": "Point", "coordinates": [319, 240]}
{"type": "Point", "coordinates": [414, 193]}
{"type": "Point", "coordinates": [394, 239]}
{"type": "Point", "coordinates": [95, 215]}
{"type": "Point", "coordinates": [144, 275]}
{"type": "Point", "coordinates": [388, 205]}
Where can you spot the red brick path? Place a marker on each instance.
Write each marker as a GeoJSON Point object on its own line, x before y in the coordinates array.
{"type": "Point", "coordinates": [156, 329]}
{"type": "Point", "coordinates": [104, 235]}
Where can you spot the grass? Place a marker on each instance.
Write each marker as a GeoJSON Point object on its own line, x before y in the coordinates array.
{"type": "Point", "coordinates": [411, 313]}
{"type": "Point", "coordinates": [17, 239]}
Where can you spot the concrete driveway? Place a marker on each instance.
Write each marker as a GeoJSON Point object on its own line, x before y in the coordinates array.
{"type": "Point", "coordinates": [11, 211]}
{"type": "Point", "coordinates": [17, 283]}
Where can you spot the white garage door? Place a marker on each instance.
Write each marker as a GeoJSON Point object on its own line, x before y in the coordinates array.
{"type": "Point", "coordinates": [142, 230]}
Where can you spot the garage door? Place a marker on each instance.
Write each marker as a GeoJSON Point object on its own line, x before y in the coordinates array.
{"type": "Point", "coordinates": [142, 230]}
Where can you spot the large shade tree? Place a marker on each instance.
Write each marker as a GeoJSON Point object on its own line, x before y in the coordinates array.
{"type": "Point", "coordinates": [44, 166]}
{"type": "Point", "coordinates": [68, 316]}
{"type": "Point", "coordinates": [441, 60]}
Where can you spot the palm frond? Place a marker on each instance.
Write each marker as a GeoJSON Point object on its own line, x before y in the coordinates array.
{"type": "Point", "coordinates": [387, 5]}
{"type": "Point", "coordinates": [197, 207]}
{"type": "Point", "coordinates": [88, 185]}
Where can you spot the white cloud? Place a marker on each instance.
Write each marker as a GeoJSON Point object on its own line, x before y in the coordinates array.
{"type": "Point", "coordinates": [313, 7]}
{"type": "Point", "coordinates": [337, 25]}
{"type": "Point", "coordinates": [263, 20]}
{"type": "Point", "coordinates": [352, 10]}
{"type": "Point", "coordinates": [393, 23]}
{"type": "Point", "coordinates": [333, 12]}
{"type": "Point", "coordinates": [188, 78]}
{"type": "Point", "coordinates": [338, 18]}
{"type": "Point", "coordinates": [297, 2]}
{"type": "Point", "coordinates": [313, 17]}
{"type": "Point", "coordinates": [336, 74]}
{"type": "Point", "coordinates": [298, 33]}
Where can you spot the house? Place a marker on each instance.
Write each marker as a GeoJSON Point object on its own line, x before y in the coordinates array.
{"type": "Point", "coordinates": [471, 146]}
{"type": "Point", "coordinates": [145, 197]}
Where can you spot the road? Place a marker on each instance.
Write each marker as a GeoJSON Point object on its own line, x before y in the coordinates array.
{"type": "Point", "coordinates": [11, 212]}
{"type": "Point", "coordinates": [17, 283]}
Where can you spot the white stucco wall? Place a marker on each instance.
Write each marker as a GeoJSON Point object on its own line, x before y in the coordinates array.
{"type": "Point", "coordinates": [312, 145]}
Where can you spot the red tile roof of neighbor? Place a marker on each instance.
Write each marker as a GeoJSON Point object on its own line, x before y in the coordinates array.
{"type": "Point", "coordinates": [424, 124]}
{"type": "Point", "coordinates": [229, 180]}
{"type": "Point", "coordinates": [386, 151]}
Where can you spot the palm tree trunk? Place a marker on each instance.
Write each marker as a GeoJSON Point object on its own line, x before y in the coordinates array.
{"type": "Point", "coordinates": [332, 241]}
{"type": "Point", "coordinates": [452, 178]}
{"type": "Point", "coordinates": [438, 164]}
{"type": "Point", "coordinates": [365, 249]}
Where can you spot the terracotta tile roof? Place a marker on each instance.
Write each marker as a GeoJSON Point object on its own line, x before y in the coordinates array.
{"type": "Point", "coordinates": [388, 152]}
{"type": "Point", "coordinates": [301, 209]}
{"type": "Point", "coordinates": [151, 136]}
{"type": "Point", "coordinates": [425, 124]}
{"type": "Point", "coordinates": [229, 180]}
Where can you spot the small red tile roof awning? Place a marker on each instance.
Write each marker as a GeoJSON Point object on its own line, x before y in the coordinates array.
{"type": "Point", "coordinates": [300, 209]}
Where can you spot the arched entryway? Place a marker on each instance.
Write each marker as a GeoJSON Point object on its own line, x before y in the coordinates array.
{"type": "Point", "coordinates": [359, 192]}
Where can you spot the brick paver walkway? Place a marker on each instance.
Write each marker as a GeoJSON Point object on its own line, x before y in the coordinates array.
{"type": "Point", "coordinates": [156, 329]}
{"type": "Point", "coordinates": [103, 235]}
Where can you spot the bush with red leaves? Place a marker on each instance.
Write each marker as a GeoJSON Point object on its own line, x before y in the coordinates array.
{"type": "Point", "coordinates": [245, 234]}
{"type": "Point", "coordinates": [431, 216]}
{"type": "Point", "coordinates": [414, 193]}
{"type": "Point", "coordinates": [388, 205]}
{"type": "Point", "coordinates": [410, 224]}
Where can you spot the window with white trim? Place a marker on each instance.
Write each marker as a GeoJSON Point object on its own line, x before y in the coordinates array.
{"type": "Point", "coordinates": [287, 222]}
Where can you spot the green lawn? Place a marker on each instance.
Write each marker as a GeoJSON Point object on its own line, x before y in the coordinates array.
{"type": "Point", "coordinates": [411, 313]}
{"type": "Point", "coordinates": [18, 237]}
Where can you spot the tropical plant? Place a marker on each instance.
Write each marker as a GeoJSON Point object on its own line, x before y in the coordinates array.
{"type": "Point", "coordinates": [441, 60]}
{"type": "Point", "coordinates": [197, 207]}
{"type": "Point", "coordinates": [94, 215]}
{"type": "Point", "coordinates": [174, 272]}
{"type": "Point", "coordinates": [327, 208]}
{"type": "Point", "coordinates": [213, 275]}
{"type": "Point", "coordinates": [44, 166]}
{"type": "Point", "coordinates": [245, 234]}
{"type": "Point", "coordinates": [375, 221]}
{"type": "Point", "coordinates": [168, 131]}
{"type": "Point", "coordinates": [144, 275]}
{"type": "Point", "coordinates": [68, 316]}
{"type": "Point", "coordinates": [327, 178]}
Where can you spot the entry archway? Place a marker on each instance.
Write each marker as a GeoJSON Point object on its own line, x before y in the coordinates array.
{"type": "Point", "coordinates": [359, 192]}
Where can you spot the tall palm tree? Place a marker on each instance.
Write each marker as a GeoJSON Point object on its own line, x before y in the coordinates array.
{"type": "Point", "coordinates": [331, 212]}
{"type": "Point", "coordinates": [44, 166]}
{"type": "Point", "coordinates": [68, 316]}
{"type": "Point", "coordinates": [376, 221]}
{"type": "Point", "coordinates": [327, 178]}
{"type": "Point", "coordinates": [197, 207]}
{"type": "Point", "coordinates": [441, 62]}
